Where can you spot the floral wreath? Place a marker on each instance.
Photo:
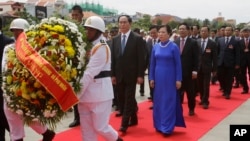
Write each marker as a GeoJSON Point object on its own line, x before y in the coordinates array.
{"type": "Point", "coordinates": [61, 44]}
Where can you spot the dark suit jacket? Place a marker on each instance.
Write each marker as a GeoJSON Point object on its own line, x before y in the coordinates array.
{"type": "Point", "coordinates": [149, 47]}
{"type": "Point", "coordinates": [131, 64]}
{"type": "Point", "coordinates": [189, 57]}
{"type": "Point", "coordinates": [3, 42]}
{"type": "Point", "coordinates": [195, 38]}
{"type": "Point", "coordinates": [208, 58]}
{"type": "Point", "coordinates": [244, 56]}
{"type": "Point", "coordinates": [3, 121]}
{"type": "Point", "coordinates": [229, 54]}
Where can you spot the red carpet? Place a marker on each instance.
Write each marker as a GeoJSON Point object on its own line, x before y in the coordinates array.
{"type": "Point", "coordinates": [197, 125]}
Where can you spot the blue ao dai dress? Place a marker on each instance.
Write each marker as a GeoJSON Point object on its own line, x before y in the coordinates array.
{"type": "Point", "coordinates": [165, 70]}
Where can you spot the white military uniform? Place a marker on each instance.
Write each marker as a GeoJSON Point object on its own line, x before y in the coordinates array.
{"type": "Point", "coordinates": [16, 121]}
{"type": "Point", "coordinates": [96, 96]}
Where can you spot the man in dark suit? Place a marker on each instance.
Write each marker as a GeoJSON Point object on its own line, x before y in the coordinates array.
{"type": "Point", "coordinates": [128, 64]}
{"type": "Point", "coordinates": [195, 32]}
{"type": "Point", "coordinates": [113, 33]}
{"type": "Point", "coordinates": [77, 16]}
{"type": "Point", "coordinates": [138, 31]}
{"type": "Point", "coordinates": [189, 60]}
{"type": "Point", "coordinates": [228, 60]}
{"type": "Point", "coordinates": [245, 59]}
{"type": "Point", "coordinates": [213, 36]}
{"type": "Point", "coordinates": [3, 121]}
{"type": "Point", "coordinates": [207, 65]}
{"type": "Point", "coordinates": [153, 31]}
{"type": "Point", "coordinates": [237, 73]}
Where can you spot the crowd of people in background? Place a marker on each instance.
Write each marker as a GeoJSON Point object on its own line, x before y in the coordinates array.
{"type": "Point", "coordinates": [208, 57]}
{"type": "Point", "coordinates": [182, 61]}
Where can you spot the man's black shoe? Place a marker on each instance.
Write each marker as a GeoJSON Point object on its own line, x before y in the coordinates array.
{"type": "Point", "coordinates": [123, 129]}
{"type": "Point", "coordinates": [236, 86]}
{"type": "Point", "coordinates": [118, 114]}
{"type": "Point", "coordinates": [205, 106]}
{"type": "Point", "coordinates": [244, 92]}
{"type": "Point", "coordinates": [191, 113]}
{"type": "Point", "coordinates": [48, 135]}
{"type": "Point", "coordinates": [74, 123]}
{"type": "Point", "coordinates": [227, 97]}
{"type": "Point", "coordinates": [151, 107]}
{"type": "Point", "coordinates": [119, 139]}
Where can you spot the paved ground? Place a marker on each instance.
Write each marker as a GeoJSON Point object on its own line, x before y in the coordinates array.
{"type": "Point", "coordinates": [218, 133]}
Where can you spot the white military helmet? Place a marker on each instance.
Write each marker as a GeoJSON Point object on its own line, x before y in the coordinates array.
{"type": "Point", "coordinates": [96, 23]}
{"type": "Point", "coordinates": [19, 23]}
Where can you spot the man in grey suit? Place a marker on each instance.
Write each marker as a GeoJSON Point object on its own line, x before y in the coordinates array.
{"type": "Point", "coordinates": [128, 64]}
{"type": "Point", "coordinates": [228, 60]}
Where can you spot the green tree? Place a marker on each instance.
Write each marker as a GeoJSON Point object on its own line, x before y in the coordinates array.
{"type": "Point", "coordinates": [173, 24]}
{"type": "Point", "coordinates": [23, 14]}
{"type": "Point", "coordinates": [143, 23]}
{"type": "Point", "coordinates": [206, 22]}
{"type": "Point", "coordinates": [159, 22]}
{"type": "Point", "coordinates": [241, 25]}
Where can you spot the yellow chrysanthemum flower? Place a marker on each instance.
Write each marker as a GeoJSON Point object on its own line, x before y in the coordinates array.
{"type": "Point", "coordinates": [59, 28]}
{"type": "Point", "coordinates": [31, 33]}
{"type": "Point", "coordinates": [73, 72]}
{"type": "Point", "coordinates": [67, 42]}
{"type": "Point", "coordinates": [42, 33]}
{"type": "Point", "coordinates": [49, 27]}
{"type": "Point", "coordinates": [70, 51]}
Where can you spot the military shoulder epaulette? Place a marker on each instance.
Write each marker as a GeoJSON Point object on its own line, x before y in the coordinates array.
{"type": "Point", "coordinates": [103, 42]}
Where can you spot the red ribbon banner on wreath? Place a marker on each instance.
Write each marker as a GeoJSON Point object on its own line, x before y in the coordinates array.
{"type": "Point", "coordinates": [45, 73]}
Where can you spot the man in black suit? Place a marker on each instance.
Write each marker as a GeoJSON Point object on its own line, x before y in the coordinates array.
{"type": "Point", "coordinates": [245, 59]}
{"type": "Point", "coordinates": [228, 60]}
{"type": "Point", "coordinates": [195, 32]}
{"type": "Point", "coordinates": [153, 31]}
{"type": "Point", "coordinates": [113, 33]}
{"type": "Point", "coordinates": [3, 121]}
{"type": "Point", "coordinates": [77, 16]}
{"type": "Point", "coordinates": [237, 73]}
{"type": "Point", "coordinates": [128, 64]}
{"type": "Point", "coordinates": [213, 35]}
{"type": "Point", "coordinates": [189, 60]}
{"type": "Point", "coordinates": [207, 65]}
{"type": "Point", "coordinates": [138, 31]}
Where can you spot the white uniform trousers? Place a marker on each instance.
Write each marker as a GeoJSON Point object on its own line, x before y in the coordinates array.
{"type": "Point", "coordinates": [17, 125]}
{"type": "Point", "coordinates": [94, 119]}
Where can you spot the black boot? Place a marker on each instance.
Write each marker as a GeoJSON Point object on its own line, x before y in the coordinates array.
{"type": "Point", "coordinates": [119, 139]}
{"type": "Point", "coordinates": [48, 135]}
